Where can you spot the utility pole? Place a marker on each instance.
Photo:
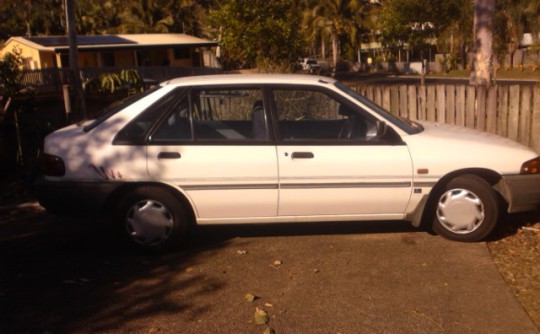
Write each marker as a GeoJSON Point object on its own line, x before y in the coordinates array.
{"type": "Point", "coordinates": [74, 58]}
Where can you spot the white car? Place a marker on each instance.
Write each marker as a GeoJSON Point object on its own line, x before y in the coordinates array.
{"type": "Point", "coordinates": [233, 149]}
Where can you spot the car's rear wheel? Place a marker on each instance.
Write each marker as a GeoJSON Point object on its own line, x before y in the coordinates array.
{"type": "Point", "coordinates": [466, 209]}
{"type": "Point", "coordinates": [153, 219]}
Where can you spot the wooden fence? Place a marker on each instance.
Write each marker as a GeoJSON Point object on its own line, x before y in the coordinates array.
{"type": "Point", "coordinates": [512, 111]}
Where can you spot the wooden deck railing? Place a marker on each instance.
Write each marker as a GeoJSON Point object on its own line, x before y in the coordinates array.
{"type": "Point", "coordinates": [53, 79]}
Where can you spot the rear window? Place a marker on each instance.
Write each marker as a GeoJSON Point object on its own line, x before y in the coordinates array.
{"type": "Point", "coordinates": [116, 106]}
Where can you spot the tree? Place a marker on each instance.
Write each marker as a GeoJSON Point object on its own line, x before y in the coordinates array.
{"type": "Point", "coordinates": [257, 33]}
{"type": "Point", "coordinates": [512, 20]}
{"type": "Point", "coordinates": [10, 87]}
{"type": "Point", "coordinates": [10, 79]}
{"type": "Point", "coordinates": [482, 66]}
{"type": "Point", "coordinates": [335, 20]}
{"type": "Point", "coordinates": [30, 17]}
{"type": "Point", "coordinates": [415, 22]}
{"type": "Point", "coordinates": [455, 37]}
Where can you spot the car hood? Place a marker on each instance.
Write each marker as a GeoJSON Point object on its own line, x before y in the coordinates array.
{"type": "Point", "coordinates": [443, 147]}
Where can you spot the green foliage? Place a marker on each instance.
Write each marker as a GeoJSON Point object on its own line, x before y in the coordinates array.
{"type": "Point", "coordinates": [112, 82]}
{"type": "Point", "coordinates": [512, 19]}
{"type": "Point", "coordinates": [337, 21]}
{"type": "Point", "coordinates": [272, 34]}
{"type": "Point", "coordinates": [31, 17]}
{"type": "Point", "coordinates": [257, 32]}
{"type": "Point", "coordinates": [10, 74]}
{"type": "Point", "coordinates": [414, 21]}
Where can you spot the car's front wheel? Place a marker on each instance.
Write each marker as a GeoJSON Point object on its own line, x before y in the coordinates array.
{"type": "Point", "coordinates": [466, 209]}
{"type": "Point", "coordinates": [153, 219]}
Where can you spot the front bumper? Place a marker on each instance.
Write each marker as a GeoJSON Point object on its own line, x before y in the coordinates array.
{"type": "Point", "coordinates": [521, 192]}
{"type": "Point", "coordinates": [69, 197]}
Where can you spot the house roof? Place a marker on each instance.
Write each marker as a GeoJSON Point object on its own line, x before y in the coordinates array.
{"type": "Point", "coordinates": [121, 41]}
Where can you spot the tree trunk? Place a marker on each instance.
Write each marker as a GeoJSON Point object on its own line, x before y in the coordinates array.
{"type": "Point", "coordinates": [335, 53]}
{"type": "Point", "coordinates": [482, 66]}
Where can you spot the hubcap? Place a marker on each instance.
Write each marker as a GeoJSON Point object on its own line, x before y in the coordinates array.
{"type": "Point", "coordinates": [149, 222]}
{"type": "Point", "coordinates": [460, 211]}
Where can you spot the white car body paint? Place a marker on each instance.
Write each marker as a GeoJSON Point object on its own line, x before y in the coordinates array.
{"type": "Point", "coordinates": [246, 184]}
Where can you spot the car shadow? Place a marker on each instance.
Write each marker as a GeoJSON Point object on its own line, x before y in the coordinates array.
{"type": "Point", "coordinates": [510, 224]}
{"type": "Point", "coordinates": [207, 235]}
{"type": "Point", "coordinates": [61, 274]}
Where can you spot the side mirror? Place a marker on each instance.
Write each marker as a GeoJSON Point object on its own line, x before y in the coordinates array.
{"type": "Point", "coordinates": [382, 128]}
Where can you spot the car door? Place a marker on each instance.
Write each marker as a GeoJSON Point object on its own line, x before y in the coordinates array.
{"type": "Point", "coordinates": [332, 159]}
{"type": "Point", "coordinates": [214, 144]}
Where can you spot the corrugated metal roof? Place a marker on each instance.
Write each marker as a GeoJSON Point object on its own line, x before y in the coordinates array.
{"type": "Point", "coordinates": [121, 41]}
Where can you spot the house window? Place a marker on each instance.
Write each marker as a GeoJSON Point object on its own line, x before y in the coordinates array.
{"type": "Point", "coordinates": [182, 53]}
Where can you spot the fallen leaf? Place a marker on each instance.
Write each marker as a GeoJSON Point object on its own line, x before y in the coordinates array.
{"type": "Point", "coordinates": [260, 317]}
{"type": "Point", "coordinates": [269, 330]}
{"type": "Point", "coordinates": [250, 297]}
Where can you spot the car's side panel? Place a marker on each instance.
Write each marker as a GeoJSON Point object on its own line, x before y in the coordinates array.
{"type": "Point", "coordinates": [344, 180]}
{"type": "Point", "coordinates": [220, 180]}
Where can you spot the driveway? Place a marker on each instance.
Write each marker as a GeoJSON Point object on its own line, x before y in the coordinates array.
{"type": "Point", "coordinates": [60, 275]}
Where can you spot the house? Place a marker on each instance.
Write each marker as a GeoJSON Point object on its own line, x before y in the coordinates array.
{"type": "Point", "coordinates": [123, 50]}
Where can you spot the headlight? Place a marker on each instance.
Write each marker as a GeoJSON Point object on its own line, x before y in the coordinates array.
{"type": "Point", "coordinates": [531, 167]}
{"type": "Point", "coordinates": [51, 165]}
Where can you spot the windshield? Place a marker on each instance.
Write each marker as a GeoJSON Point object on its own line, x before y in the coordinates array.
{"type": "Point", "coordinates": [404, 124]}
{"type": "Point", "coordinates": [116, 106]}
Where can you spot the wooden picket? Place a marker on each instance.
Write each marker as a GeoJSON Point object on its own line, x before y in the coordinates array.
{"type": "Point", "coordinates": [511, 111]}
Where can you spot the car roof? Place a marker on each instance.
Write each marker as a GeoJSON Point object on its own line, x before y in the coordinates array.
{"type": "Point", "coordinates": [250, 79]}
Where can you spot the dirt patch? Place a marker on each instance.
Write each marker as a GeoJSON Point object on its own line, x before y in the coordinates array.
{"type": "Point", "coordinates": [516, 252]}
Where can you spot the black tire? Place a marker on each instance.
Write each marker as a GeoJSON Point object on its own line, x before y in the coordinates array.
{"type": "Point", "coordinates": [466, 209]}
{"type": "Point", "coordinates": [153, 219]}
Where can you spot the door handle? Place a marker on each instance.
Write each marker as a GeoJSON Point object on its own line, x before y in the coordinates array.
{"type": "Point", "coordinates": [169, 155]}
{"type": "Point", "coordinates": [302, 155]}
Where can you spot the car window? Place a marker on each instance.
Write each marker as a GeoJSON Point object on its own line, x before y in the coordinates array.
{"type": "Point", "coordinates": [136, 131]}
{"type": "Point", "coordinates": [177, 123]}
{"type": "Point", "coordinates": [313, 115]}
{"type": "Point", "coordinates": [405, 125]}
{"type": "Point", "coordinates": [231, 114]}
{"type": "Point", "coordinates": [117, 106]}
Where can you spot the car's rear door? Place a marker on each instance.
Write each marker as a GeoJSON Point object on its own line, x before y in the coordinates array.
{"type": "Point", "coordinates": [215, 145]}
{"type": "Point", "coordinates": [333, 162]}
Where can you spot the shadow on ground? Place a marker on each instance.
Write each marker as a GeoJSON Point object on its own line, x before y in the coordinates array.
{"type": "Point", "coordinates": [60, 275]}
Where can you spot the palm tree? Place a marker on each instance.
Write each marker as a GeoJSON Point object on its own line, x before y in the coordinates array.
{"type": "Point", "coordinates": [188, 17]}
{"type": "Point", "coordinates": [145, 16]}
{"type": "Point", "coordinates": [334, 19]}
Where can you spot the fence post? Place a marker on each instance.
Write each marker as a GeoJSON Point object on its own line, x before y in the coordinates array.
{"type": "Point", "coordinates": [525, 115]}
{"type": "Point", "coordinates": [535, 128]}
{"type": "Point", "coordinates": [491, 109]}
{"type": "Point", "coordinates": [513, 112]}
{"type": "Point", "coordinates": [67, 101]}
{"type": "Point", "coordinates": [502, 111]}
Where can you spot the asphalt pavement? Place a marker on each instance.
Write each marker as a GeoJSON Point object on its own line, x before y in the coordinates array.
{"type": "Point", "coordinates": [60, 275]}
